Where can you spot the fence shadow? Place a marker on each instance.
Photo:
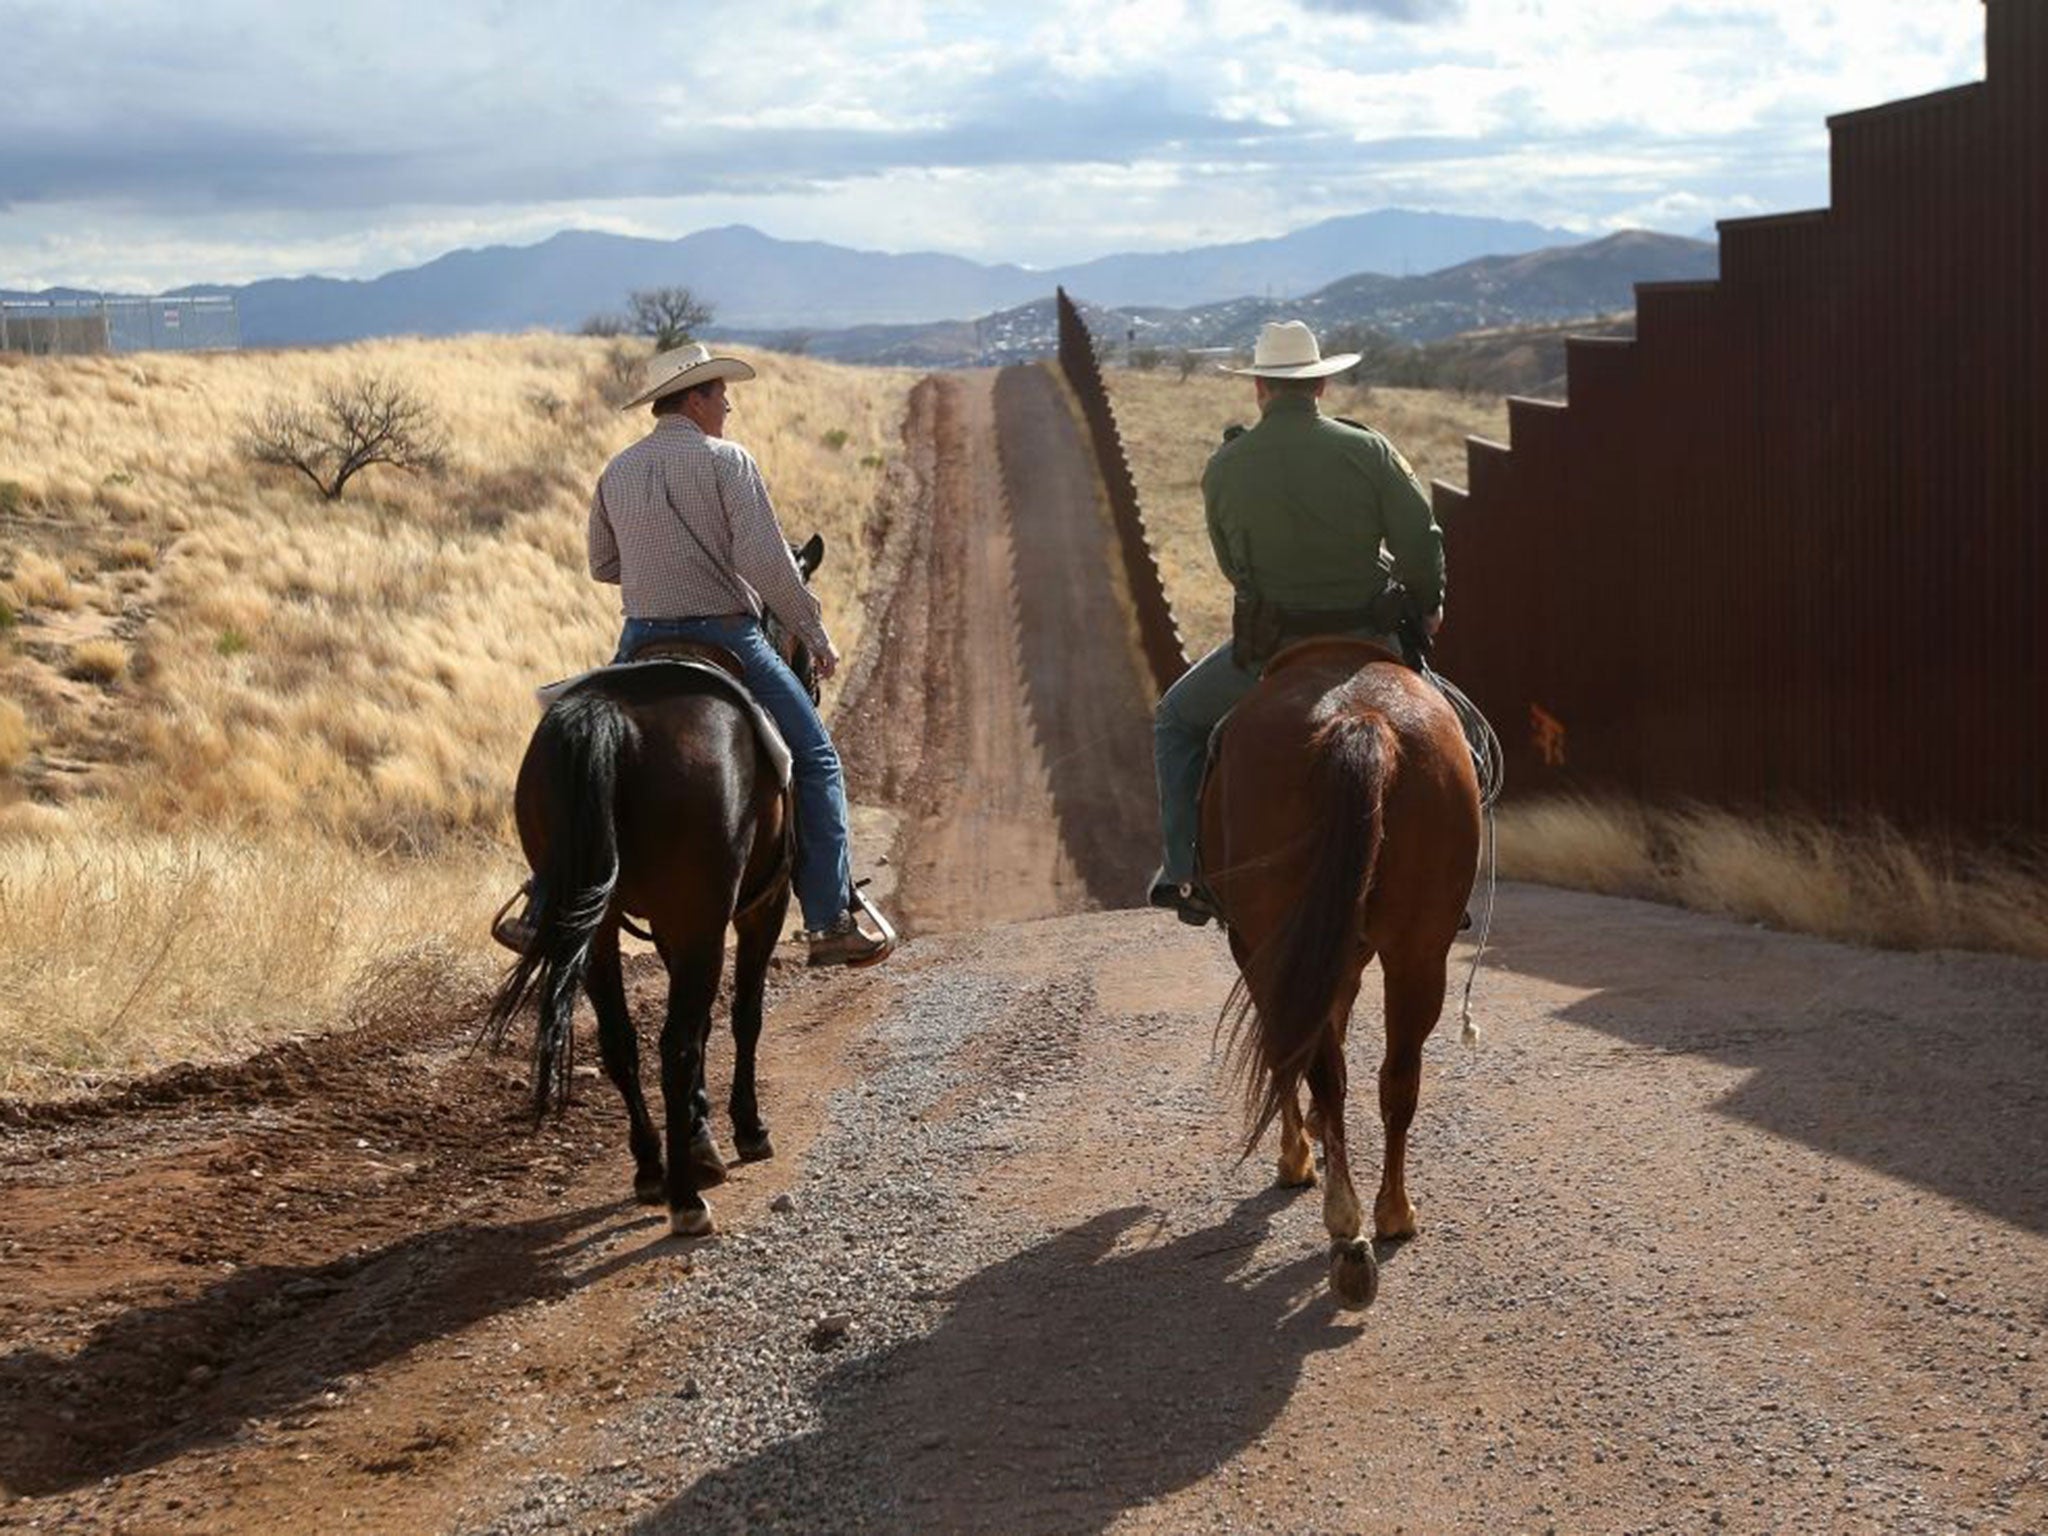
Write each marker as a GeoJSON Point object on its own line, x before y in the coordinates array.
{"type": "Point", "coordinates": [1068, 1384]}
{"type": "Point", "coordinates": [1932, 1069]}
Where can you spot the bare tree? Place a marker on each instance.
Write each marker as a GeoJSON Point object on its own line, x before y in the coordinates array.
{"type": "Point", "coordinates": [605, 325]}
{"type": "Point", "coordinates": [671, 316]}
{"type": "Point", "coordinates": [369, 419]}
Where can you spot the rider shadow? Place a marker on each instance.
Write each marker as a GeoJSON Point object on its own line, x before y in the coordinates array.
{"type": "Point", "coordinates": [157, 1382]}
{"type": "Point", "coordinates": [1077, 1380]}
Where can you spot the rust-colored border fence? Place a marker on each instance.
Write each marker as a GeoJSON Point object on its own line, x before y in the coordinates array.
{"type": "Point", "coordinates": [1788, 548]}
{"type": "Point", "coordinates": [1156, 628]}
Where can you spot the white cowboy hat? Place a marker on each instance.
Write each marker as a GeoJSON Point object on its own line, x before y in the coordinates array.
{"type": "Point", "coordinates": [1287, 350]}
{"type": "Point", "coordinates": [666, 372]}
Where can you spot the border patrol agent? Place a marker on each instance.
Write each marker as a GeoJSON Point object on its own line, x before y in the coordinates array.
{"type": "Point", "coordinates": [1299, 507]}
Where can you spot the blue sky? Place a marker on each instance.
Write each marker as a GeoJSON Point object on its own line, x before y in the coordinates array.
{"type": "Point", "coordinates": [145, 144]}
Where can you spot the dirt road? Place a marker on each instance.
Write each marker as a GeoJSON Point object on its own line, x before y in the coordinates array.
{"type": "Point", "coordinates": [1722, 1229]}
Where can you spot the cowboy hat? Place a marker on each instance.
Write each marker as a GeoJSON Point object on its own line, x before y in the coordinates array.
{"type": "Point", "coordinates": [1287, 350]}
{"type": "Point", "coordinates": [666, 372]}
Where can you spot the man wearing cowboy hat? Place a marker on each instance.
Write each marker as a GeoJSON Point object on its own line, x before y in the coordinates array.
{"type": "Point", "coordinates": [681, 520]}
{"type": "Point", "coordinates": [1299, 509]}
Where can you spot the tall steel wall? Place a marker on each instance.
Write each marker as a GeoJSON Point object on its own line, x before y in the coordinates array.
{"type": "Point", "coordinates": [1156, 628]}
{"type": "Point", "coordinates": [1789, 547]}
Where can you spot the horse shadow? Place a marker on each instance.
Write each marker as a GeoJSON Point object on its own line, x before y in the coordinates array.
{"type": "Point", "coordinates": [1085, 1376]}
{"type": "Point", "coordinates": [157, 1382]}
{"type": "Point", "coordinates": [1842, 1053]}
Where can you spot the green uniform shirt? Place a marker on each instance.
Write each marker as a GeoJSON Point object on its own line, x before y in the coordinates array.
{"type": "Point", "coordinates": [1300, 504]}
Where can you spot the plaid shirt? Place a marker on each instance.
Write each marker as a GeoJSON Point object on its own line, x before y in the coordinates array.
{"type": "Point", "coordinates": [676, 482]}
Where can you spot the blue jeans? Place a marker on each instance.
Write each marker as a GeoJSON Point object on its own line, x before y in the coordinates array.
{"type": "Point", "coordinates": [1181, 726]}
{"type": "Point", "coordinates": [823, 862]}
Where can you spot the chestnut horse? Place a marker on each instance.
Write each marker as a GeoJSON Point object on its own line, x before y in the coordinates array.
{"type": "Point", "coordinates": [646, 790]}
{"type": "Point", "coordinates": [1340, 820]}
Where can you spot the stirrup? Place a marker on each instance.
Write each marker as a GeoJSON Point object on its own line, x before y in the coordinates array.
{"type": "Point", "coordinates": [516, 933]}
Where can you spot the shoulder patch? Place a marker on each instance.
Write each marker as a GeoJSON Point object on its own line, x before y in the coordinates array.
{"type": "Point", "coordinates": [1347, 421]}
{"type": "Point", "coordinates": [1235, 430]}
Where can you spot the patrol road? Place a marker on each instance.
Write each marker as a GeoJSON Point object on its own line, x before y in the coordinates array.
{"type": "Point", "coordinates": [1722, 1229]}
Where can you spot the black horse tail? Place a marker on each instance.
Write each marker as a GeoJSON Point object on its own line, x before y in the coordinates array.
{"type": "Point", "coordinates": [575, 754]}
{"type": "Point", "coordinates": [1296, 975]}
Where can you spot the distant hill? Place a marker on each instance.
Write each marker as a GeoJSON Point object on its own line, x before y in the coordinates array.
{"type": "Point", "coordinates": [1532, 288]}
{"type": "Point", "coordinates": [757, 282]}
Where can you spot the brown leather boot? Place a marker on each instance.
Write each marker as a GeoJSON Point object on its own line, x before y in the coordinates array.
{"type": "Point", "coordinates": [845, 944]}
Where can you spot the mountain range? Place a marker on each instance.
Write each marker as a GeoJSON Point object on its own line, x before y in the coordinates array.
{"type": "Point", "coordinates": [755, 282]}
{"type": "Point", "coordinates": [1538, 287]}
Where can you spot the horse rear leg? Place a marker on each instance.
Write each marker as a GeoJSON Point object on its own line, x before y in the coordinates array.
{"type": "Point", "coordinates": [1354, 1274]}
{"type": "Point", "coordinates": [620, 1047]}
{"type": "Point", "coordinates": [757, 936]}
{"type": "Point", "coordinates": [1414, 1000]}
{"type": "Point", "coordinates": [693, 969]}
{"type": "Point", "coordinates": [1297, 1154]}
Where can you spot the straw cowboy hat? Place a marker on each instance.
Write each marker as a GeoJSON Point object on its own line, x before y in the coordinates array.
{"type": "Point", "coordinates": [1287, 350]}
{"type": "Point", "coordinates": [666, 372]}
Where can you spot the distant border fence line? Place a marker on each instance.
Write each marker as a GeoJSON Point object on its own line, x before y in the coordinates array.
{"type": "Point", "coordinates": [1157, 632]}
{"type": "Point", "coordinates": [1788, 548]}
{"type": "Point", "coordinates": [53, 327]}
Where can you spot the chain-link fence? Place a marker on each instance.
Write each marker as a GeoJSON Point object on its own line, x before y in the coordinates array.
{"type": "Point", "coordinates": [46, 326]}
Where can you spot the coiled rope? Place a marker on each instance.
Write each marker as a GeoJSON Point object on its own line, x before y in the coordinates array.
{"type": "Point", "coordinates": [1488, 761]}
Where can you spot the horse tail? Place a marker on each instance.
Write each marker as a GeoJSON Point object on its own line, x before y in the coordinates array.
{"type": "Point", "coordinates": [576, 752]}
{"type": "Point", "coordinates": [1289, 988]}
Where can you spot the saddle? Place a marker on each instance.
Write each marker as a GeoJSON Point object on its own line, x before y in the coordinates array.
{"type": "Point", "coordinates": [712, 663]}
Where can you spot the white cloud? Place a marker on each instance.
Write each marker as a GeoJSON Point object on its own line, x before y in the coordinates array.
{"type": "Point", "coordinates": [147, 143]}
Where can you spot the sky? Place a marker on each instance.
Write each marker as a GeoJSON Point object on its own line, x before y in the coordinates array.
{"type": "Point", "coordinates": [150, 143]}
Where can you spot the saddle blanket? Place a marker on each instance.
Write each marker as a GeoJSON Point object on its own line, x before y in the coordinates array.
{"type": "Point", "coordinates": [764, 723]}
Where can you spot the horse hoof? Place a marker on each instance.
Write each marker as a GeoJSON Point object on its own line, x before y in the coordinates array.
{"type": "Point", "coordinates": [754, 1149]}
{"type": "Point", "coordinates": [1293, 1178]}
{"type": "Point", "coordinates": [649, 1188]}
{"type": "Point", "coordinates": [691, 1223]}
{"type": "Point", "coordinates": [707, 1164]}
{"type": "Point", "coordinates": [1354, 1273]}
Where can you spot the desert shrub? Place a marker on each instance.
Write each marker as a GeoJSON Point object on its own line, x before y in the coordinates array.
{"type": "Point", "coordinates": [131, 555]}
{"type": "Point", "coordinates": [8, 617]}
{"type": "Point", "coordinates": [835, 439]}
{"type": "Point", "coordinates": [37, 581]}
{"type": "Point", "coordinates": [97, 661]}
{"type": "Point", "coordinates": [370, 419]}
{"type": "Point", "coordinates": [13, 736]}
{"type": "Point", "coordinates": [231, 642]}
{"type": "Point", "coordinates": [13, 498]}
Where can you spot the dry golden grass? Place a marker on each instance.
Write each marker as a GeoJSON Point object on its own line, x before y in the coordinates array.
{"type": "Point", "coordinates": [122, 951]}
{"type": "Point", "coordinates": [1170, 426]}
{"type": "Point", "coordinates": [350, 679]}
{"type": "Point", "coordinates": [97, 661]}
{"type": "Point", "coordinates": [14, 736]}
{"type": "Point", "coordinates": [36, 581]}
{"type": "Point", "coordinates": [1862, 885]}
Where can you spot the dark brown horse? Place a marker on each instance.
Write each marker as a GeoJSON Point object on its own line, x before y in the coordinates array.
{"type": "Point", "coordinates": [646, 790]}
{"type": "Point", "coordinates": [1340, 821]}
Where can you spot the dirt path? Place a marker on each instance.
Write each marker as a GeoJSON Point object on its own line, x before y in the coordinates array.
{"type": "Point", "coordinates": [1722, 1229]}
{"type": "Point", "coordinates": [1007, 717]}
